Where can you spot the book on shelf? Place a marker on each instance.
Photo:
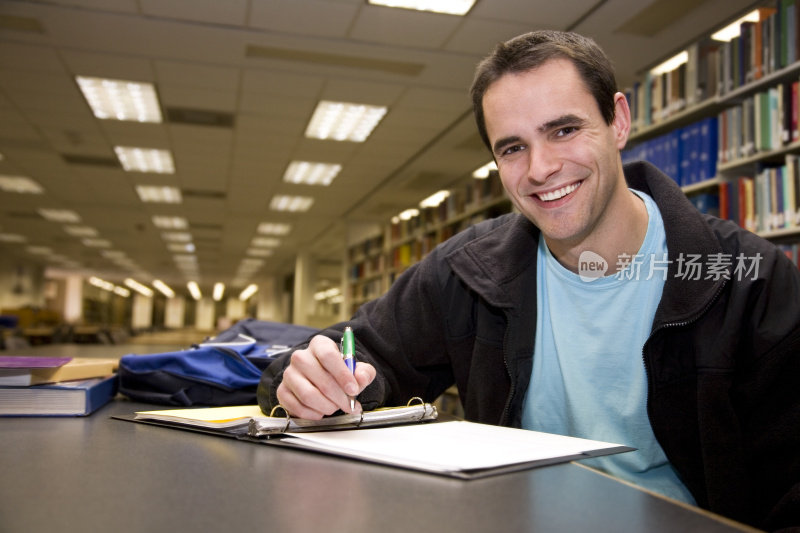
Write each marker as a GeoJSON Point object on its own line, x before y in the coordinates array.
{"type": "Point", "coordinates": [406, 437]}
{"type": "Point", "coordinates": [25, 370]}
{"type": "Point", "coordinates": [67, 398]}
{"type": "Point", "coordinates": [688, 154]}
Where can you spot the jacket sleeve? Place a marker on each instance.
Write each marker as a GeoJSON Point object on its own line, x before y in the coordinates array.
{"type": "Point", "coordinates": [770, 393]}
{"type": "Point", "coordinates": [400, 333]}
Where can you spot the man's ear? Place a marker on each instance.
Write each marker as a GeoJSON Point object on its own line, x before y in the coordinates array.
{"type": "Point", "coordinates": [622, 120]}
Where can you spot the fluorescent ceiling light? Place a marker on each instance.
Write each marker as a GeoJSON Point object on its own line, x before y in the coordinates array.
{"type": "Point", "coordinates": [12, 237]}
{"type": "Point", "coordinates": [177, 236]}
{"type": "Point", "coordinates": [219, 290]}
{"type": "Point", "coordinates": [448, 7]}
{"type": "Point", "coordinates": [250, 266]}
{"type": "Point", "coordinates": [308, 173]}
{"type": "Point", "coordinates": [734, 28]}
{"type": "Point", "coordinates": [114, 255]}
{"type": "Point", "coordinates": [120, 99]}
{"type": "Point", "coordinates": [259, 252]}
{"type": "Point", "coordinates": [274, 228]}
{"type": "Point", "coordinates": [252, 263]}
{"type": "Point", "coordinates": [291, 203]}
{"type": "Point", "coordinates": [20, 185]}
{"type": "Point", "coordinates": [265, 242]}
{"type": "Point", "coordinates": [135, 159]}
{"type": "Point", "coordinates": [154, 193]}
{"type": "Point", "coordinates": [81, 231]}
{"type": "Point", "coordinates": [101, 283]}
{"type": "Point", "coordinates": [671, 64]}
{"type": "Point", "coordinates": [138, 287]}
{"type": "Point", "coordinates": [435, 199]}
{"type": "Point", "coordinates": [180, 247]}
{"type": "Point", "coordinates": [483, 172]}
{"type": "Point", "coordinates": [122, 291]}
{"type": "Point", "coordinates": [165, 222]}
{"type": "Point", "coordinates": [39, 250]}
{"type": "Point", "coordinates": [60, 215]}
{"type": "Point", "coordinates": [163, 288]}
{"type": "Point", "coordinates": [97, 243]}
{"type": "Point", "coordinates": [408, 214]}
{"type": "Point", "coordinates": [341, 121]}
{"type": "Point", "coordinates": [183, 259]}
{"type": "Point", "coordinates": [194, 290]}
{"type": "Point", "coordinates": [248, 291]}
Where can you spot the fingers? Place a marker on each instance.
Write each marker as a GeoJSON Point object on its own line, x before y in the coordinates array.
{"type": "Point", "coordinates": [317, 382]}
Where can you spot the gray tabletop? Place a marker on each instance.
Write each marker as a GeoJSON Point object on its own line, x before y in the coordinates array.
{"type": "Point", "coordinates": [101, 474]}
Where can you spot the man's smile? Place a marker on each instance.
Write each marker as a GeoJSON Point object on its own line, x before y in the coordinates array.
{"type": "Point", "coordinates": [557, 194]}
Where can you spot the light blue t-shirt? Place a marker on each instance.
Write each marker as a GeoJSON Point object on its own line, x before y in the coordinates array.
{"type": "Point", "coordinates": [588, 377]}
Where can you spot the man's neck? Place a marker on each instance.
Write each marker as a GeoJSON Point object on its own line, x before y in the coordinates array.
{"type": "Point", "coordinates": [615, 236]}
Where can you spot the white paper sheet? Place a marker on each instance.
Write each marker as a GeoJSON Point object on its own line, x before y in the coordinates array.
{"type": "Point", "coordinates": [450, 446]}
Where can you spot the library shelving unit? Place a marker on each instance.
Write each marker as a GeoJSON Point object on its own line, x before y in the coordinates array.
{"type": "Point", "coordinates": [374, 263]}
{"type": "Point", "coordinates": [366, 271]}
{"type": "Point", "coordinates": [724, 124]}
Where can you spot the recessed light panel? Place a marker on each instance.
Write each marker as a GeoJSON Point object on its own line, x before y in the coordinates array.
{"type": "Point", "coordinates": [135, 159]}
{"type": "Point", "coordinates": [342, 121]}
{"type": "Point", "coordinates": [265, 242]}
{"type": "Point", "coordinates": [165, 222]}
{"type": "Point", "coordinates": [81, 231]}
{"type": "Point", "coordinates": [291, 203]}
{"type": "Point", "coordinates": [259, 252]}
{"type": "Point", "coordinates": [308, 173]}
{"type": "Point", "coordinates": [120, 99]}
{"type": "Point", "coordinates": [12, 237]}
{"type": "Point", "coordinates": [274, 228]}
{"type": "Point", "coordinates": [97, 243]}
{"type": "Point", "coordinates": [177, 247]}
{"type": "Point", "coordinates": [153, 193]}
{"type": "Point", "coordinates": [484, 171]}
{"type": "Point", "coordinates": [19, 184]}
{"type": "Point", "coordinates": [177, 236]}
{"type": "Point", "coordinates": [60, 215]}
{"type": "Point", "coordinates": [448, 7]}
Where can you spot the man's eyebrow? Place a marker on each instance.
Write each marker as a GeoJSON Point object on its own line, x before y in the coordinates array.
{"type": "Point", "coordinates": [560, 122]}
{"type": "Point", "coordinates": [505, 141]}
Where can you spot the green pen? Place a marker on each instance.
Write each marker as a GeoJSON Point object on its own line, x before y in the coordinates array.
{"type": "Point", "coordinates": [349, 355]}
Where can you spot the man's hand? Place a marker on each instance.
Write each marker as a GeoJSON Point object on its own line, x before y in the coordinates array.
{"type": "Point", "coordinates": [317, 382]}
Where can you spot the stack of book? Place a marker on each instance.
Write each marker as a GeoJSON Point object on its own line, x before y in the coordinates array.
{"type": "Point", "coordinates": [55, 386]}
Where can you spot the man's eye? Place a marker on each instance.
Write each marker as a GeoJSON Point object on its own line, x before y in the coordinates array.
{"type": "Point", "coordinates": [566, 131]}
{"type": "Point", "coordinates": [512, 149]}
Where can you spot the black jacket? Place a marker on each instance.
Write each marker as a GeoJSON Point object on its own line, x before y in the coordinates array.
{"type": "Point", "coordinates": [723, 358]}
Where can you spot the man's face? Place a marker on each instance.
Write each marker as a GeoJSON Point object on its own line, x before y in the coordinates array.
{"type": "Point", "coordinates": [557, 157]}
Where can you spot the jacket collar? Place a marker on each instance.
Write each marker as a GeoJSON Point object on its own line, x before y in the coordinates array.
{"type": "Point", "coordinates": [500, 264]}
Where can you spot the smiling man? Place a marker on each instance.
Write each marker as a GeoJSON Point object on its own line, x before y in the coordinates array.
{"type": "Point", "coordinates": [684, 345]}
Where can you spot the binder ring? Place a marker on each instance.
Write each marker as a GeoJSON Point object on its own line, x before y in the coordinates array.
{"type": "Point", "coordinates": [288, 418]}
{"type": "Point", "coordinates": [422, 403]}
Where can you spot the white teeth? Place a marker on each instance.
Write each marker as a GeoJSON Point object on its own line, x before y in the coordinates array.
{"type": "Point", "coordinates": [558, 193]}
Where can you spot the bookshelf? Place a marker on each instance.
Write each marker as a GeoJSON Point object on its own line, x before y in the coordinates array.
{"type": "Point", "coordinates": [743, 95]}
{"type": "Point", "coordinates": [374, 263]}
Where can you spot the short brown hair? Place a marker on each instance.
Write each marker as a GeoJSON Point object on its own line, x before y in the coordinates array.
{"type": "Point", "coordinates": [531, 50]}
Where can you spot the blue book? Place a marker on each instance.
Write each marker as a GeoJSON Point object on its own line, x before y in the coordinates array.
{"type": "Point", "coordinates": [66, 398]}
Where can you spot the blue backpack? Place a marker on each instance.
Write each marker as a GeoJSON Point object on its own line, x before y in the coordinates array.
{"type": "Point", "coordinates": [223, 370]}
